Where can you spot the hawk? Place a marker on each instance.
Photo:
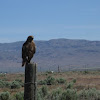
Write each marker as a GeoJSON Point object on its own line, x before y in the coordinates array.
{"type": "Point", "coordinates": [28, 50]}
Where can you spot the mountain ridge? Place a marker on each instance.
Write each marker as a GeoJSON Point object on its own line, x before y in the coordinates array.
{"type": "Point", "coordinates": [73, 53]}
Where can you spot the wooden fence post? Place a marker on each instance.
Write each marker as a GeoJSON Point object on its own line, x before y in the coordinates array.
{"type": "Point", "coordinates": [30, 86]}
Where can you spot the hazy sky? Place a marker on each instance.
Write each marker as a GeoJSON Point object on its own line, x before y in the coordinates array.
{"type": "Point", "coordinates": [49, 19]}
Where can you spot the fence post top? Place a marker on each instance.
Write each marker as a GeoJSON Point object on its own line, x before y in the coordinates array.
{"type": "Point", "coordinates": [32, 63]}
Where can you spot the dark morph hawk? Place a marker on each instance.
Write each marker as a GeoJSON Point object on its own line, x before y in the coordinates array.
{"type": "Point", "coordinates": [28, 50]}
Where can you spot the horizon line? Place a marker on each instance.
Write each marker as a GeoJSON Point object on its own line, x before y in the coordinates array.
{"type": "Point", "coordinates": [52, 39]}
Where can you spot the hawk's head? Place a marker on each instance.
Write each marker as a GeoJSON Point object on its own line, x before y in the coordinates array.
{"type": "Point", "coordinates": [30, 38]}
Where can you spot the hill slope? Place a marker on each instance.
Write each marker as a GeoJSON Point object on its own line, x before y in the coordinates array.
{"type": "Point", "coordinates": [66, 53]}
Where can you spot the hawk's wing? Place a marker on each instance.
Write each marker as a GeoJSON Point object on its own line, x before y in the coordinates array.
{"type": "Point", "coordinates": [33, 48]}
{"type": "Point", "coordinates": [24, 51]}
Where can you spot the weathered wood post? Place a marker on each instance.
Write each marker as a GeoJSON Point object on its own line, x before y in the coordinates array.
{"type": "Point", "coordinates": [30, 82]}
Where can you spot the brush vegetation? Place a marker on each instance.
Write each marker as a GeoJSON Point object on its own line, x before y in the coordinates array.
{"type": "Point", "coordinates": [79, 85]}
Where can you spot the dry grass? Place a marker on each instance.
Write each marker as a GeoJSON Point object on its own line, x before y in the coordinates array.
{"type": "Point", "coordinates": [83, 80]}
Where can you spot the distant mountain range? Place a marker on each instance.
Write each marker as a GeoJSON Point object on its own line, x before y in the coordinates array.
{"type": "Point", "coordinates": [68, 54]}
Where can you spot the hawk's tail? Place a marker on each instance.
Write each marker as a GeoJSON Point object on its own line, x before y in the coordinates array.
{"type": "Point", "coordinates": [23, 63]}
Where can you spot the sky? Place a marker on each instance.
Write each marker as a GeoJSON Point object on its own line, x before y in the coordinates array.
{"type": "Point", "coordinates": [49, 19]}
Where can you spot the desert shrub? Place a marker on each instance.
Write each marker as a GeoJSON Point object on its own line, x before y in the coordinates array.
{"type": "Point", "coordinates": [7, 84]}
{"type": "Point", "coordinates": [42, 92]}
{"type": "Point", "coordinates": [55, 94]}
{"type": "Point", "coordinates": [39, 94]}
{"type": "Point", "coordinates": [5, 96]}
{"type": "Point", "coordinates": [42, 82]}
{"type": "Point", "coordinates": [71, 84]}
{"type": "Point", "coordinates": [61, 80]}
{"type": "Point", "coordinates": [74, 80]}
{"type": "Point", "coordinates": [5, 79]}
{"type": "Point", "coordinates": [2, 75]}
{"type": "Point", "coordinates": [15, 85]}
{"type": "Point", "coordinates": [90, 94]}
{"type": "Point", "coordinates": [20, 82]}
{"type": "Point", "coordinates": [2, 84]}
{"type": "Point", "coordinates": [39, 97]}
{"type": "Point", "coordinates": [19, 96]}
{"type": "Point", "coordinates": [50, 80]}
{"type": "Point", "coordinates": [59, 94]}
{"type": "Point", "coordinates": [69, 94]}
